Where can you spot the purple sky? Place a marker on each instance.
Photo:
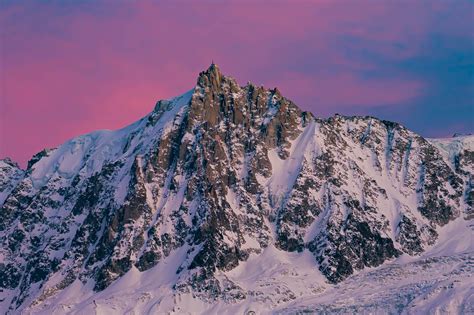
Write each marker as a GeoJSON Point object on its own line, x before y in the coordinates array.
{"type": "Point", "coordinates": [71, 67]}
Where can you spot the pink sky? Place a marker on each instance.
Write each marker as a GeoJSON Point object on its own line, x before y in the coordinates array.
{"type": "Point", "coordinates": [68, 69]}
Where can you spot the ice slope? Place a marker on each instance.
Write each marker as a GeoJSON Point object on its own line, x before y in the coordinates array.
{"type": "Point", "coordinates": [451, 147]}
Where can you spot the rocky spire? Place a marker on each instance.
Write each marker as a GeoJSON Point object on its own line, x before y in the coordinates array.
{"type": "Point", "coordinates": [211, 77]}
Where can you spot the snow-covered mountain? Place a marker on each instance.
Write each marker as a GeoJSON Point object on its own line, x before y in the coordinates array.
{"type": "Point", "coordinates": [232, 199]}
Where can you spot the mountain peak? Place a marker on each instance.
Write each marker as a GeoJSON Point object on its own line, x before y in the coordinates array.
{"type": "Point", "coordinates": [10, 162]}
{"type": "Point", "coordinates": [211, 77]}
{"type": "Point", "coordinates": [226, 177]}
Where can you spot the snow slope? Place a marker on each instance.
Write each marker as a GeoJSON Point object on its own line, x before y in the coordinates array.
{"type": "Point", "coordinates": [438, 282]}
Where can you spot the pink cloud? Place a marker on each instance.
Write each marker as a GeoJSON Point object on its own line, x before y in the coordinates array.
{"type": "Point", "coordinates": [68, 70]}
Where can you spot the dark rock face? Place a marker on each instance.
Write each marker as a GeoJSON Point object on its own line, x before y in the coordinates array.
{"type": "Point", "coordinates": [433, 175]}
{"type": "Point", "coordinates": [223, 172]}
{"type": "Point", "coordinates": [355, 247]}
{"type": "Point", "coordinates": [409, 236]}
{"type": "Point", "coordinates": [38, 156]}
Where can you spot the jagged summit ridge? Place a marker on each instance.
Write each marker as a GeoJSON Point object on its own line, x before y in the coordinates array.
{"type": "Point", "coordinates": [217, 177]}
{"type": "Point", "coordinates": [211, 77]}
